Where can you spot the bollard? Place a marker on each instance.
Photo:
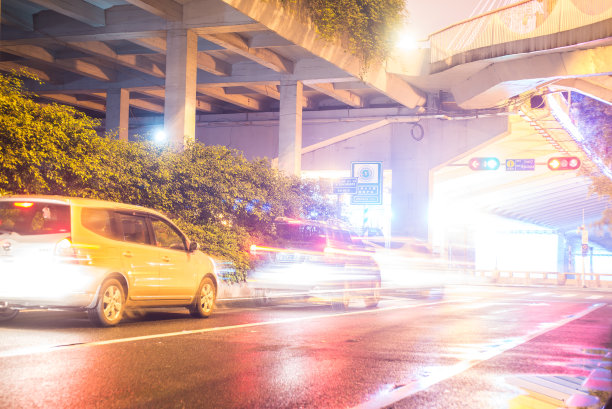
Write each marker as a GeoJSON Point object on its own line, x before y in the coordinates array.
{"type": "Point", "coordinates": [495, 276]}
{"type": "Point", "coordinates": [600, 387]}
{"type": "Point", "coordinates": [561, 278]}
{"type": "Point", "coordinates": [601, 374]}
{"type": "Point", "coordinates": [580, 401]}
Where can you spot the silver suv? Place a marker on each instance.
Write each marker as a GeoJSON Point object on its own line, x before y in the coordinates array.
{"type": "Point", "coordinates": [97, 256]}
{"type": "Point", "coordinates": [317, 260]}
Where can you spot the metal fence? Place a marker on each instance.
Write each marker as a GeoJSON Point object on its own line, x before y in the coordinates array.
{"type": "Point", "coordinates": [591, 280]}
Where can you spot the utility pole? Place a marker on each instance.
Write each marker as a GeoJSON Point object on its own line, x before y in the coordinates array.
{"type": "Point", "coordinates": [585, 247]}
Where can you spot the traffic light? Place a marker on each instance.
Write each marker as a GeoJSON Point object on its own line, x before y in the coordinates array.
{"type": "Point", "coordinates": [564, 163]}
{"type": "Point", "coordinates": [484, 163]}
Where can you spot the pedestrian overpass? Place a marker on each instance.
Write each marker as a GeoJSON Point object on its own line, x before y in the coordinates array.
{"type": "Point", "coordinates": [250, 75]}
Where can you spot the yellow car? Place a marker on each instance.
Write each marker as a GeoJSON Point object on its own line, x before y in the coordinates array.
{"type": "Point", "coordinates": [97, 256]}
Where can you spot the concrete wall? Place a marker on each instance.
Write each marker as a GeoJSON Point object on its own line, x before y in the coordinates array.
{"type": "Point", "coordinates": [411, 161]}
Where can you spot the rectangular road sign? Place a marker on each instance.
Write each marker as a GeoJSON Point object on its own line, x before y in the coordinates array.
{"type": "Point", "coordinates": [369, 183]}
{"type": "Point", "coordinates": [345, 185]}
{"type": "Point", "coordinates": [520, 164]}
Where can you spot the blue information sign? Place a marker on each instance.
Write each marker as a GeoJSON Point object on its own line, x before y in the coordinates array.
{"type": "Point", "coordinates": [520, 164]}
{"type": "Point", "coordinates": [345, 185]}
{"type": "Point", "coordinates": [369, 183]}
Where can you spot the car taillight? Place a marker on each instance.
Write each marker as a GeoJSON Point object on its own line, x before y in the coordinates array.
{"type": "Point", "coordinates": [65, 251]}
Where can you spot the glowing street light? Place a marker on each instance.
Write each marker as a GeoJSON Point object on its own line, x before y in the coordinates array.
{"type": "Point", "coordinates": [160, 136]}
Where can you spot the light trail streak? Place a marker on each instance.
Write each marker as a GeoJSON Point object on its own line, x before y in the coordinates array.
{"type": "Point", "coordinates": [48, 349]}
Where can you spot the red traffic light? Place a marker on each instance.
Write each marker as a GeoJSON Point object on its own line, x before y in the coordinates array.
{"type": "Point", "coordinates": [483, 163]}
{"type": "Point", "coordinates": [564, 163]}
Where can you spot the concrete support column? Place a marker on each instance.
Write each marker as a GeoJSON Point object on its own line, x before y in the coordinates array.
{"type": "Point", "coordinates": [414, 160]}
{"type": "Point", "coordinates": [410, 201]}
{"type": "Point", "coordinates": [290, 127]}
{"type": "Point", "coordinates": [181, 79]}
{"type": "Point", "coordinates": [118, 112]}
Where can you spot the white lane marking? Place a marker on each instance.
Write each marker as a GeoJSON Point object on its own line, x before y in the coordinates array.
{"type": "Point", "coordinates": [594, 297]}
{"type": "Point", "coordinates": [566, 295]}
{"type": "Point", "coordinates": [541, 294]}
{"type": "Point", "coordinates": [53, 348]}
{"type": "Point", "coordinates": [388, 397]}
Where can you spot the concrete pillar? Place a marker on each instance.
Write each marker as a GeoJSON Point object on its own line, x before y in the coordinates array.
{"type": "Point", "coordinates": [413, 160]}
{"type": "Point", "coordinates": [410, 200]}
{"type": "Point", "coordinates": [290, 127]}
{"type": "Point", "coordinates": [118, 112]}
{"type": "Point", "coordinates": [181, 79]}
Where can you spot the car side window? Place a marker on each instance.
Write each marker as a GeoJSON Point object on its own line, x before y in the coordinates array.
{"type": "Point", "coordinates": [133, 228]}
{"type": "Point", "coordinates": [166, 236]}
{"type": "Point", "coordinates": [99, 221]}
{"type": "Point", "coordinates": [341, 236]}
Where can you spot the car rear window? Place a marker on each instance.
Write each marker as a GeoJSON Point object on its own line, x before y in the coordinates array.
{"type": "Point", "coordinates": [29, 218]}
{"type": "Point", "coordinates": [301, 235]}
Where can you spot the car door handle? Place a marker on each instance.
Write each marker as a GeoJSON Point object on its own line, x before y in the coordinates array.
{"type": "Point", "coordinates": [127, 254]}
{"type": "Point", "coordinates": [165, 259]}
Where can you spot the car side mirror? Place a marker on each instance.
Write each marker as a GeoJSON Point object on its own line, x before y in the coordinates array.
{"type": "Point", "coordinates": [193, 246]}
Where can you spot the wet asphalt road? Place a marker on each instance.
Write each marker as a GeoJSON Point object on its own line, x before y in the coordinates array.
{"type": "Point", "coordinates": [410, 352]}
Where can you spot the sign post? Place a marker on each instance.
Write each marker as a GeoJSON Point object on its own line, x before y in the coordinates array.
{"type": "Point", "coordinates": [585, 250]}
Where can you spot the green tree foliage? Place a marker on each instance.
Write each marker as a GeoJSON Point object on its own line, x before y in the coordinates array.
{"type": "Point", "coordinates": [366, 27]}
{"type": "Point", "coordinates": [213, 193]}
{"type": "Point", "coordinates": [594, 119]}
{"type": "Point", "coordinates": [37, 152]}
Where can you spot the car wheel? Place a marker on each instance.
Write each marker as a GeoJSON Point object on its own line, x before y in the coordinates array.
{"type": "Point", "coordinates": [341, 301]}
{"type": "Point", "coordinates": [372, 300]}
{"type": "Point", "coordinates": [110, 306]}
{"type": "Point", "coordinates": [436, 293]}
{"type": "Point", "coordinates": [262, 297]}
{"type": "Point", "coordinates": [204, 301]}
{"type": "Point", "coordinates": [7, 314]}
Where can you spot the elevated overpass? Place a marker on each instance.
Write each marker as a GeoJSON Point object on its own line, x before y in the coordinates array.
{"type": "Point", "coordinates": [250, 75]}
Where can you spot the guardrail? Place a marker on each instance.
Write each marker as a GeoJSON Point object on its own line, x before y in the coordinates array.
{"type": "Point", "coordinates": [522, 21]}
{"type": "Point", "coordinates": [593, 280]}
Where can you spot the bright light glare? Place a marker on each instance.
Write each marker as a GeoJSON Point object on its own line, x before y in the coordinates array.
{"type": "Point", "coordinates": [160, 136]}
{"type": "Point", "coordinates": [492, 163]}
{"type": "Point", "coordinates": [406, 41]}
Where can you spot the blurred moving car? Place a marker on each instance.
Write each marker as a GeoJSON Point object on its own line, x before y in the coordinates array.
{"type": "Point", "coordinates": [97, 256]}
{"type": "Point", "coordinates": [316, 260]}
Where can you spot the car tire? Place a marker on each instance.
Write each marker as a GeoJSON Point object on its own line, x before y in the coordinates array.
{"type": "Point", "coordinates": [341, 302]}
{"type": "Point", "coordinates": [371, 301]}
{"type": "Point", "coordinates": [262, 297]}
{"type": "Point", "coordinates": [204, 301]}
{"type": "Point", "coordinates": [436, 293]}
{"type": "Point", "coordinates": [110, 306]}
{"type": "Point", "coordinates": [7, 314]}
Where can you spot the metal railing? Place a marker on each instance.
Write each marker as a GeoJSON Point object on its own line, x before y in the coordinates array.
{"type": "Point", "coordinates": [524, 20]}
{"type": "Point", "coordinates": [592, 280]}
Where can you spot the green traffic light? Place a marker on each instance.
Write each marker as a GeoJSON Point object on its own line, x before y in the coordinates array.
{"type": "Point", "coordinates": [488, 163]}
